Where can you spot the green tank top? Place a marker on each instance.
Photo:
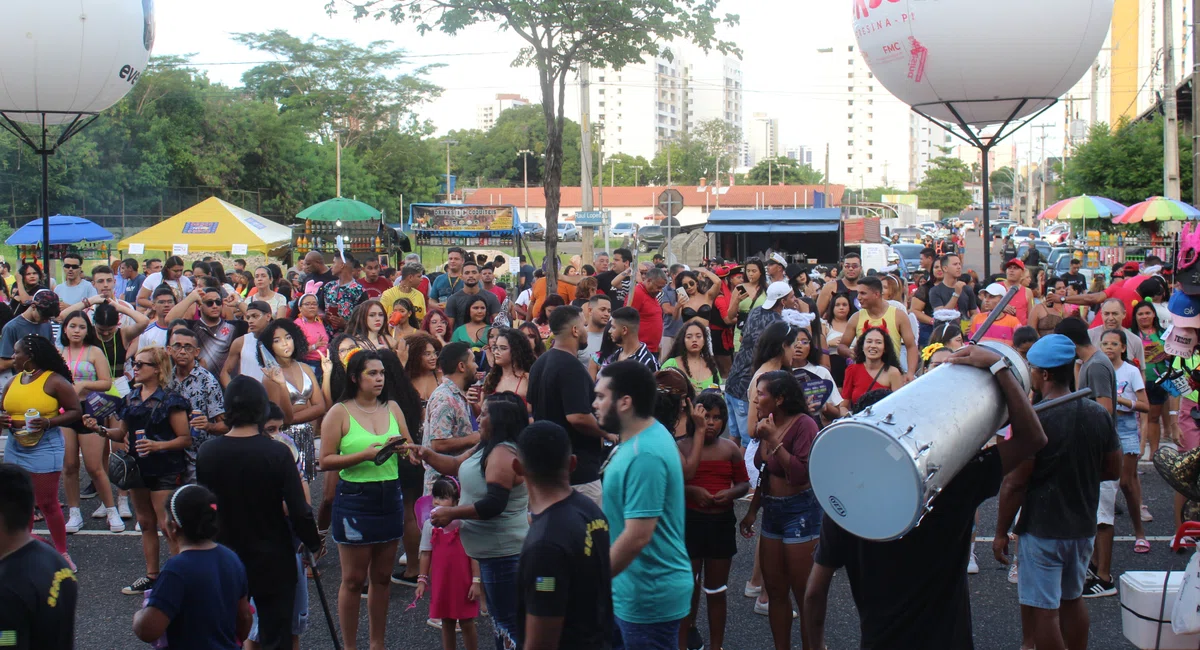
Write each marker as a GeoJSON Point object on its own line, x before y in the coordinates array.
{"type": "Point", "coordinates": [358, 439]}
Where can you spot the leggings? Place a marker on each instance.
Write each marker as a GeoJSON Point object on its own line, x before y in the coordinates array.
{"type": "Point", "coordinates": [45, 495]}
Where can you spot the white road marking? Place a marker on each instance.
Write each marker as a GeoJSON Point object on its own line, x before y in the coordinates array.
{"type": "Point", "coordinates": [91, 533]}
{"type": "Point", "coordinates": [1119, 538]}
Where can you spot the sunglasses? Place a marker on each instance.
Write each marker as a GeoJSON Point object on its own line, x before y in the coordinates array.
{"type": "Point", "coordinates": [211, 303]}
{"type": "Point", "coordinates": [70, 266]}
{"type": "Point", "coordinates": [138, 365]}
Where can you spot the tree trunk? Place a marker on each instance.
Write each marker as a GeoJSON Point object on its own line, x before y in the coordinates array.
{"type": "Point", "coordinates": [552, 178]}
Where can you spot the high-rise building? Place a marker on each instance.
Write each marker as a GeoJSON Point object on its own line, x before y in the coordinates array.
{"type": "Point", "coordinates": [487, 113]}
{"type": "Point", "coordinates": [763, 138]}
{"type": "Point", "coordinates": [802, 155]}
{"type": "Point", "coordinates": [642, 106]}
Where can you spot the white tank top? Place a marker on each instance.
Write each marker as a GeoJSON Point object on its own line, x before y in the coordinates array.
{"type": "Point", "coordinates": [249, 362]}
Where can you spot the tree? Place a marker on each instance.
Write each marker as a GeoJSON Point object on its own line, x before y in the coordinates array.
{"type": "Point", "coordinates": [944, 186]}
{"type": "Point", "coordinates": [1125, 164]}
{"type": "Point", "coordinates": [559, 36]}
{"type": "Point", "coordinates": [869, 195]}
{"type": "Point", "coordinates": [783, 170]}
{"type": "Point", "coordinates": [1001, 182]}
{"type": "Point", "coordinates": [624, 170]}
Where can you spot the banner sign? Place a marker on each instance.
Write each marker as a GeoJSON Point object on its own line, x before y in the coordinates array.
{"type": "Point", "coordinates": [200, 227]}
{"type": "Point", "coordinates": [459, 218]}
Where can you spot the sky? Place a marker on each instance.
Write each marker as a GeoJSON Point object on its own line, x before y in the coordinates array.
{"type": "Point", "coordinates": [783, 73]}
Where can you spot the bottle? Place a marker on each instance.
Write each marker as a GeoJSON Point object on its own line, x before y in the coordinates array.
{"type": "Point", "coordinates": [378, 244]}
{"type": "Point", "coordinates": [308, 226]}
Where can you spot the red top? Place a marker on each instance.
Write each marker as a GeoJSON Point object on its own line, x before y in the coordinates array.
{"type": "Point", "coordinates": [499, 292]}
{"type": "Point", "coordinates": [424, 288]}
{"type": "Point", "coordinates": [376, 288]}
{"type": "Point", "coordinates": [798, 440]}
{"type": "Point", "coordinates": [859, 382]}
{"type": "Point", "coordinates": [650, 330]}
{"type": "Point", "coordinates": [717, 475]}
{"type": "Point", "coordinates": [1126, 291]}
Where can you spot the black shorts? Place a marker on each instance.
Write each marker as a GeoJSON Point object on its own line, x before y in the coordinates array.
{"type": "Point", "coordinates": [710, 536]}
{"type": "Point", "coordinates": [412, 477]}
{"type": "Point", "coordinates": [164, 483]}
{"type": "Point", "coordinates": [1155, 394]}
{"type": "Point", "coordinates": [718, 344]}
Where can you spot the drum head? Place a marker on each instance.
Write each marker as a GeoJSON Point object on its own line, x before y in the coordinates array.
{"type": "Point", "coordinates": [866, 481]}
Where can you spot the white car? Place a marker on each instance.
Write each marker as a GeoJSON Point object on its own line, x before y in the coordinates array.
{"type": "Point", "coordinates": [1020, 234]}
{"type": "Point", "coordinates": [624, 229]}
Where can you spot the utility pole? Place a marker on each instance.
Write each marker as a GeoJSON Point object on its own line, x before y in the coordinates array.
{"type": "Point", "coordinates": [1195, 106]}
{"type": "Point", "coordinates": [636, 169]}
{"type": "Point", "coordinates": [1171, 126]}
{"type": "Point", "coordinates": [585, 155]}
{"type": "Point", "coordinates": [1095, 98]}
{"type": "Point", "coordinates": [525, 153]}
{"type": "Point", "coordinates": [1044, 168]}
{"type": "Point", "coordinates": [826, 200]}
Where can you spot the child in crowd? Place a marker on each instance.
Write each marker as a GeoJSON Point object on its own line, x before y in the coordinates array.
{"type": "Point", "coordinates": [1003, 328]}
{"type": "Point", "coordinates": [456, 585]}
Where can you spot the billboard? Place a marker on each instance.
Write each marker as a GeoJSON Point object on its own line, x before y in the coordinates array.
{"type": "Point", "coordinates": [461, 218]}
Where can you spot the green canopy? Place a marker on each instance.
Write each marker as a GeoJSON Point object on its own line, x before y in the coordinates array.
{"type": "Point", "coordinates": [339, 209]}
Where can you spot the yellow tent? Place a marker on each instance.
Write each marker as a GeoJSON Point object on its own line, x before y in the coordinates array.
{"type": "Point", "coordinates": [212, 226]}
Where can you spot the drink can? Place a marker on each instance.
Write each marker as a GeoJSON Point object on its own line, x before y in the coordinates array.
{"type": "Point", "coordinates": [140, 434]}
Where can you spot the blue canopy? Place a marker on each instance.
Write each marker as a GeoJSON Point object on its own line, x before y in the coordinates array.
{"type": "Point", "coordinates": [809, 220]}
{"type": "Point", "coordinates": [63, 230]}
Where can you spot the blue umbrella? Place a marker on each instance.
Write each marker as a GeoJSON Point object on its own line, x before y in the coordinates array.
{"type": "Point", "coordinates": [63, 230]}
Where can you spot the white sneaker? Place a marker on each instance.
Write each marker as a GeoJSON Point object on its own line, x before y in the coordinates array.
{"type": "Point", "coordinates": [123, 508]}
{"type": "Point", "coordinates": [100, 512]}
{"type": "Point", "coordinates": [1012, 573]}
{"type": "Point", "coordinates": [972, 565]}
{"type": "Point", "coordinates": [403, 561]}
{"type": "Point", "coordinates": [764, 609]}
{"type": "Point", "coordinates": [115, 524]}
{"type": "Point", "coordinates": [751, 591]}
{"type": "Point", "coordinates": [74, 521]}
{"type": "Point", "coordinates": [138, 527]}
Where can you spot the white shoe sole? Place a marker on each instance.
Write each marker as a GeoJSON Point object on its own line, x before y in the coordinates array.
{"type": "Point", "coordinates": [751, 591]}
{"type": "Point", "coordinates": [116, 526]}
{"type": "Point", "coordinates": [74, 526]}
{"type": "Point", "coordinates": [100, 513]}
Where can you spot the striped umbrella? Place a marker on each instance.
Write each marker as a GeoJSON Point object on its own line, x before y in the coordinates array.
{"type": "Point", "coordinates": [1083, 207]}
{"type": "Point", "coordinates": [1158, 208]}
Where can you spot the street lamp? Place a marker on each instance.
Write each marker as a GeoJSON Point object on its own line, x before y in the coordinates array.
{"type": "Point", "coordinates": [636, 169]}
{"type": "Point", "coordinates": [62, 62]}
{"type": "Point", "coordinates": [449, 142]}
{"type": "Point", "coordinates": [525, 153]}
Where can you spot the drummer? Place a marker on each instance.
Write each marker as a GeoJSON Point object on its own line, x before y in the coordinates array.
{"type": "Point", "coordinates": [912, 592]}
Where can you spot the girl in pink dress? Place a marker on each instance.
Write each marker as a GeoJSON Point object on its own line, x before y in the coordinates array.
{"type": "Point", "coordinates": [456, 585]}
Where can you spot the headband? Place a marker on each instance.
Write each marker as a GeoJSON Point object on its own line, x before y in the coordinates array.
{"type": "Point", "coordinates": [174, 515]}
{"type": "Point", "coordinates": [350, 355]}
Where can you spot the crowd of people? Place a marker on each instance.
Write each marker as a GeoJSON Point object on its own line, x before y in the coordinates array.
{"type": "Point", "coordinates": [564, 450]}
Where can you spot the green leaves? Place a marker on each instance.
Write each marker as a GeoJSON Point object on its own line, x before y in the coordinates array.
{"type": "Point", "coordinates": [943, 187]}
{"type": "Point", "coordinates": [783, 170]}
{"type": "Point", "coordinates": [1125, 164]}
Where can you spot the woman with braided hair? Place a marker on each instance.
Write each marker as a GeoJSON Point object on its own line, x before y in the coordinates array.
{"type": "Point", "coordinates": [43, 385]}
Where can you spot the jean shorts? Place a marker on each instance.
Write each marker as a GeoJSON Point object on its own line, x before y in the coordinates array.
{"type": "Point", "coordinates": [367, 513]}
{"type": "Point", "coordinates": [1052, 570]}
{"type": "Point", "coordinates": [1127, 431]}
{"type": "Point", "coordinates": [795, 519]}
{"type": "Point", "coordinates": [739, 411]}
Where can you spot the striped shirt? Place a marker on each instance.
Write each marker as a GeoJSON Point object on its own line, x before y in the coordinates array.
{"type": "Point", "coordinates": [643, 355]}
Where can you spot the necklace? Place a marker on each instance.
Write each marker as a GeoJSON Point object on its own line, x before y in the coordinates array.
{"type": "Point", "coordinates": [360, 407]}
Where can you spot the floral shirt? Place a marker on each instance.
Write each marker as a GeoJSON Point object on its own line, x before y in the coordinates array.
{"type": "Point", "coordinates": [202, 390]}
{"type": "Point", "coordinates": [341, 298]}
{"type": "Point", "coordinates": [447, 416]}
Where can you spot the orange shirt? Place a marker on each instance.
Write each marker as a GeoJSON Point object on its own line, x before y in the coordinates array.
{"type": "Point", "coordinates": [1001, 330]}
{"type": "Point", "coordinates": [567, 291]}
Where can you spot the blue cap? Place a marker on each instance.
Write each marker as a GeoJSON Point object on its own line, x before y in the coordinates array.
{"type": "Point", "coordinates": [1052, 351]}
{"type": "Point", "coordinates": [1185, 309]}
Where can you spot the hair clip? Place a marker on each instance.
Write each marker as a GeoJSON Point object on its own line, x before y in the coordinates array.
{"type": "Point", "coordinates": [927, 352]}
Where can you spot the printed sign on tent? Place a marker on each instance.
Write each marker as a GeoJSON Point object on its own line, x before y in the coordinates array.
{"type": "Point", "coordinates": [240, 249]}
{"type": "Point", "coordinates": [179, 249]}
{"type": "Point", "coordinates": [137, 249]}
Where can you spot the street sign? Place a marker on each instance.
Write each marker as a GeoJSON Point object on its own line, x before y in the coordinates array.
{"type": "Point", "coordinates": [670, 203]}
{"type": "Point", "coordinates": [590, 219]}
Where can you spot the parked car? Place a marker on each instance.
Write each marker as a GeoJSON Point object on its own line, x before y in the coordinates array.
{"type": "Point", "coordinates": [1042, 246]}
{"type": "Point", "coordinates": [1058, 252]}
{"type": "Point", "coordinates": [999, 226]}
{"type": "Point", "coordinates": [533, 230]}
{"type": "Point", "coordinates": [650, 238]}
{"type": "Point", "coordinates": [1020, 233]}
{"type": "Point", "coordinates": [928, 226]}
{"type": "Point", "coordinates": [625, 229]}
{"type": "Point", "coordinates": [908, 235]}
{"type": "Point", "coordinates": [910, 256]}
{"type": "Point", "coordinates": [568, 232]}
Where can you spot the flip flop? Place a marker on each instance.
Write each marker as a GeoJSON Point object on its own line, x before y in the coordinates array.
{"type": "Point", "coordinates": [1141, 546]}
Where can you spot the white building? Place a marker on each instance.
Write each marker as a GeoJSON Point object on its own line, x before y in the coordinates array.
{"type": "Point", "coordinates": [801, 154]}
{"type": "Point", "coordinates": [763, 138]}
{"type": "Point", "coordinates": [641, 106]}
{"type": "Point", "coordinates": [487, 113]}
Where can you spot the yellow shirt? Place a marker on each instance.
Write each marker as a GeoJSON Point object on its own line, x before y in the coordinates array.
{"type": "Point", "coordinates": [414, 296]}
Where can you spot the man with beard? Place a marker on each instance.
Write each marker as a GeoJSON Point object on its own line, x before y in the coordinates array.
{"type": "Point", "coordinates": [318, 272]}
{"type": "Point", "coordinates": [623, 331]}
{"type": "Point", "coordinates": [600, 308]}
{"type": "Point", "coordinates": [847, 283]}
{"type": "Point", "coordinates": [214, 334]}
{"type": "Point", "coordinates": [644, 505]}
{"type": "Point", "coordinates": [621, 259]}
{"type": "Point", "coordinates": [456, 306]}
{"type": "Point", "coordinates": [560, 390]}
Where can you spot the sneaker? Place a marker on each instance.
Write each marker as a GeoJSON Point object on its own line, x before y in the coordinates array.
{"type": "Point", "coordinates": [403, 561]}
{"type": "Point", "coordinates": [74, 521]}
{"type": "Point", "coordinates": [1146, 516]}
{"type": "Point", "coordinates": [398, 578]}
{"type": "Point", "coordinates": [138, 526]}
{"type": "Point", "coordinates": [972, 565]}
{"type": "Point", "coordinates": [123, 508]}
{"type": "Point", "coordinates": [88, 491]}
{"type": "Point", "coordinates": [764, 609]}
{"type": "Point", "coordinates": [139, 586]}
{"type": "Point", "coordinates": [115, 523]}
{"type": "Point", "coordinates": [1012, 573]}
{"type": "Point", "coordinates": [1097, 588]}
{"type": "Point", "coordinates": [435, 623]}
{"type": "Point", "coordinates": [364, 589]}
{"type": "Point", "coordinates": [70, 563]}
{"type": "Point", "coordinates": [101, 512]}
{"type": "Point", "coordinates": [694, 640]}
{"type": "Point", "coordinates": [751, 591]}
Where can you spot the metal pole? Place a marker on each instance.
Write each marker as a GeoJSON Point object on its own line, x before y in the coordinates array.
{"type": "Point", "coordinates": [337, 143]}
{"type": "Point", "coordinates": [448, 193]}
{"type": "Point", "coordinates": [1171, 126]}
{"type": "Point", "coordinates": [987, 249]}
{"type": "Point", "coordinates": [826, 201]}
{"type": "Point", "coordinates": [585, 153]}
{"type": "Point", "coordinates": [45, 204]}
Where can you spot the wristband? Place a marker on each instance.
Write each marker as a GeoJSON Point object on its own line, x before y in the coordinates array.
{"type": "Point", "coordinates": [476, 581]}
{"type": "Point", "coordinates": [1172, 412]}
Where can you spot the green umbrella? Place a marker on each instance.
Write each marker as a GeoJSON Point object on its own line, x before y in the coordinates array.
{"type": "Point", "coordinates": [339, 209]}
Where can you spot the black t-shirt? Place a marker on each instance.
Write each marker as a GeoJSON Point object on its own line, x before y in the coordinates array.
{"type": "Point", "coordinates": [456, 306]}
{"type": "Point", "coordinates": [564, 572]}
{"type": "Point", "coordinates": [38, 592]}
{"type": "Point", "coordinates": [912, 592]}
{"type": "Point", "coordinates": [252, 478]}
{"type": "Point", "coordinates": [922, 294]}
{"type": "Point", "coordinates": [940, 295]}
{"type": "Point", "coordinates": [559, 386]}
{"type": "Point", "coordinates": [604, 282]}
{"type": "Point", "coordinates": [1064, 490]}
{"type": "Point", "coordinates": [1076, 280]}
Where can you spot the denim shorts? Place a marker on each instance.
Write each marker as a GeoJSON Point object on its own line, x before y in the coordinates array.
{"type": "Point", "coordinates": [1052, 570]}
{"type": "Point", "coordinates": [795, 519]}
{"type": "Point", "coordinates": [739, 410]}
{"type": "Point", "coordinates": [645, 636]}
{"type": "Point", "coordinates": [368, 513]}
{"type": "Point", "coordinates": [1127, 431]}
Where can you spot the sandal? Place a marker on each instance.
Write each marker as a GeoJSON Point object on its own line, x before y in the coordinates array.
{"type": "Point", "coordinates": [1141, 546]}
{"type": "Point", "coordinates": [38, 516]}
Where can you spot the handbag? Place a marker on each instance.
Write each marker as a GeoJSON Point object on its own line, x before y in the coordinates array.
{"type": "Point", "coordinates": [123, 469]}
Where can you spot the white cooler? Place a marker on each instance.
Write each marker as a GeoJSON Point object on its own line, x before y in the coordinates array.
{"type": "Point", "coordinates": [1141, 595]}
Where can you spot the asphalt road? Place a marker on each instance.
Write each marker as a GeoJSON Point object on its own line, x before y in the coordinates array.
{"type": "Point", "coordinates": [109, 561]}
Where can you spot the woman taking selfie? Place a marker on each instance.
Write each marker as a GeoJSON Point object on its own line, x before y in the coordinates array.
{"type": "Point", "coordinates": [368, 495]}
{"type": "Point", "coordinates": [43, 384]}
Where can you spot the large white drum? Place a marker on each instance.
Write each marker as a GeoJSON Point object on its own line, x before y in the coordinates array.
{"type": "Point", "coordinates": [877, 473]}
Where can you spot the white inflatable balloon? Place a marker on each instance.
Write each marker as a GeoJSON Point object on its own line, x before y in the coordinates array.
{"type": "Point", "coordinates": [67, 57]}
{"type": "Point", "coordinates": [985, 55]}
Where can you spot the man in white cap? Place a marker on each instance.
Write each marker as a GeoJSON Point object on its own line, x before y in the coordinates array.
{"type": "Point", "coordinates": [1003, 328]}
{"type": "Point", "coordinates": [777, 268]}
{"type": "Point", "coordinates": [779, 297]}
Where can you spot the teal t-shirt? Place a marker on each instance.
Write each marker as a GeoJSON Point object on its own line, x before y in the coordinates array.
{"type": "Point", "coordinates": [644, 479]}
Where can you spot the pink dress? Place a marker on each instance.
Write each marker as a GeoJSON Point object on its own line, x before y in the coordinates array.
{"type": "Point", "coordinates": [450, 575]}
{"type": "Point", "coordinates": [318, 339]}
